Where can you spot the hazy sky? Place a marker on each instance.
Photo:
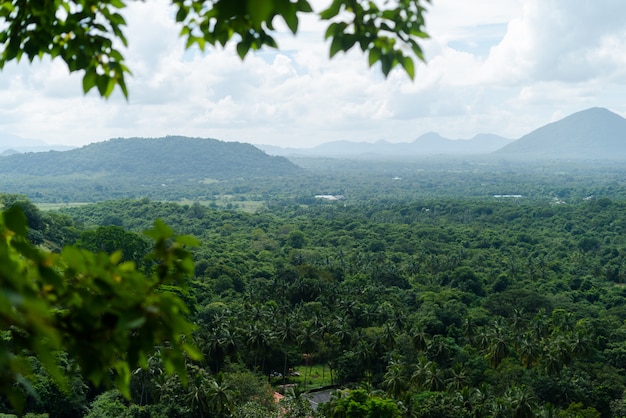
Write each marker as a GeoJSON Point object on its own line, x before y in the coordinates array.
{"type": "Point", "coordinates": [494, 66]}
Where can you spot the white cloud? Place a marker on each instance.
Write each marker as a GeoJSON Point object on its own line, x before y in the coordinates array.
{"type": "Point", "coordinates": [501, 66]}
{"type": "Point", "coordinates": [561, 40]}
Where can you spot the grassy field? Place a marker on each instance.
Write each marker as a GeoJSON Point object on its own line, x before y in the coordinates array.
{"type": "Point", "coordinates": [310, 377]}
{"type": "Point", "coordinates": [228, 201]}
{"type": "Point", "coordinates": [56, 206]}
{"type": "Point", "coordinates": [250, 206]}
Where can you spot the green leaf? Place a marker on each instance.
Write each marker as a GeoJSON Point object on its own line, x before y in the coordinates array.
{"type": "Point", "coordinates": [374, 56]}
{"type": "Point", "coordinates": [260, 10]}
{"type": "Point", "coordinates": [130, 320]}
{"type": "Point", "coordinates": [386, 61]}
{"type": "Point", "coordinates": [332, 10]}
{"type": "Point", "coordinates": [118, 4]}
{"type": "Point", "coordinates": [336, 45]}
{"type": "Point", "coordinates": [182, 13]}
{"type": "Point", "coordinates": [15, 220]}
{"type": "Point", "coordinates": [304, 6]}
{"type": "Point", "coordinates": [160, 231]}
{"type": "Point", "coordinates": [190, 41]}
{"type": "Point", "coordinates": [348, 41]}
{"type": "Point", "coordinates": [117, 19]}
{"type": "Point", "coordinates": [122, 378]}
{"type": "Point", "coordinates": [409, 67]}
{"type": "Point", "coordinates": [122, 83]}
{"type": "Point", "coordinates": [335, 29]}
{"type": "Point", "coordinates": [109, 87]}
{"type": "Point", "coordinates": [192, 352]}
{"type": "Point", "coordinates": [89, 80]}
{"type": "Point", "coordinates": [291, 19]}
{"type": "Point", "coordinates": [188, 240]}
{"type": "Point", "coordinates": [242, 49]}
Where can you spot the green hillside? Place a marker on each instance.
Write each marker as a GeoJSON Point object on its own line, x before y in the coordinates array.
{"type": "Point", "coordinates": [169, 157]}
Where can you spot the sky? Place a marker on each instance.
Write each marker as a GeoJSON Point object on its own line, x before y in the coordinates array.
{"type": "Point", "coordinates": [504, 67]}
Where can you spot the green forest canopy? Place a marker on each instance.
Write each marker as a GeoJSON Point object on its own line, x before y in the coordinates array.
{"type": "Point", "coordinates": [449, 307]}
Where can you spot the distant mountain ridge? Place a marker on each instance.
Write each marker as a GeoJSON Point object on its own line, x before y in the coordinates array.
{"type": "Point", "coordinates": [169, 157]}
{"type": "Point", "coordinates": [428, 144]}
{"type": "Point", "coordinates": [16, 144]}
{"type": "Point", "coordinates": [595, 133]}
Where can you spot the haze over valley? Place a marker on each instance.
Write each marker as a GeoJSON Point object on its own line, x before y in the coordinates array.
{"type": "Point", "coordinates": [595, 133]}
{"type": "Point", "coordinates": [590, 144]}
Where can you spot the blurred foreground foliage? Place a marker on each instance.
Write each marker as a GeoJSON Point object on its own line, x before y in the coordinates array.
{"type": "Point", "coordinates": [104, 313]}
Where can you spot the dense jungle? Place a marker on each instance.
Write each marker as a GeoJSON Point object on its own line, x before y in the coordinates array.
{"type": "Point", "coordinates": [389, 301]}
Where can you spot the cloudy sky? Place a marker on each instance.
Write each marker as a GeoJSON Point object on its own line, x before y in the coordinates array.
{"type": "Point", "coordinates": [493, 66]}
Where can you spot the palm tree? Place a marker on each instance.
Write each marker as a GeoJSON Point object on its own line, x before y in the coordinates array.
{"type": "Point", "coordinates": [458, 378]}
{"type": "Point", "coordinates": [389, 336]}
{"type": "Point", "coordinates": [196, 393]}
{"type": "Point", "coordinates": [442, 349]}
{"type": "Point", "coordinates": [209, 343]}
{"type": "Point", "coordinates": [228, 340]}
{"type": "Point", "coordinates": [562, 320]}
{"type": "Point", "coordinates": [472, 400]}
{"type": "Point", "coordinates": [343, 330]}
{"type": "Point", "coordinates": [518, 321]}
{"type": "Point", "coordinates": [469, 329]}
{"type": "Point", "coordinates": [498, 348]}
{"type": "Point", "coordinates": [349, 308]}
{"type": "Point", "coordinates": [363, 350]}
{"type": "Point", "coordinates": [427, 376]}
{"type": "Point", "coordinates": [294, 405]}
{"type": "Point", "coordinates": [368, 315]}
{"type": "Point", "coordinates": [257, 312]}
{"type": "Point", "coordinates": [307, 341]}
{"type": "Point", "coordinates": [581, 343]}
{"type": "Point", "coordinates": [287, 331]}
{"type": "Point", "coordinates": [547, 411]}
{"type": "Point", "coordinates": [520, 402]}
{"type": "Point", "coordinates": [557, 354]}
{"type": "Point", "coordinates": [149, 376]}
{"type": "Point", "coordinates": [498, 408]}
{"type": "Point", "coordinates": [539, 325]}
{"type": "Point", "coordinates": [482, 338]}
{"type": "Point", "coordinates": [420, 338]}
{"type": "Point", "coordinates": [258, 340]}
{"type": "Point", "coordinates": [219, 395]}
{"type": "Point", "coordinates": [528, 350]}
{"type": "Point", "coordinates": [327, 345]}
{"type": "Point", "coordinates": [395, 380]}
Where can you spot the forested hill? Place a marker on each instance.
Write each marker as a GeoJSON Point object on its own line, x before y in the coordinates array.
{"type": "Point", "coordinates": [172, 156]}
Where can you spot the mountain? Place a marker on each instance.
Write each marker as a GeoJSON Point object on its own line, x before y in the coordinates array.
{"type": "Point", "coordinates": [9, 151]}
{"type": "Point", "coordinates": [435, 144]}
{"type": "Point", "coordinates": [595, 133]}
{"type": "Point", "coordinates": [14, 143]}
{"type": "Point", "coordinates": [427, 144]}
{"type": "Point", "coordinates": [154, 158]}
{"type": "Point", "coordinates": [9, 141]}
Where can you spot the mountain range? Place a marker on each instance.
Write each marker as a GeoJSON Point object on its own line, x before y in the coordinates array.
{"type": "Point", "coordinates": [428, 144]}
{"type": "Point", "coordinates": [595, 133]}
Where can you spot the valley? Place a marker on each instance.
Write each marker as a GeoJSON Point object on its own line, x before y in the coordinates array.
{"type": "Point", "coordinates": [448, 286]}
